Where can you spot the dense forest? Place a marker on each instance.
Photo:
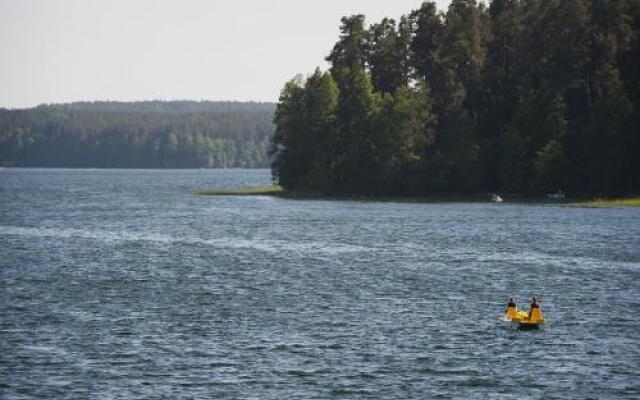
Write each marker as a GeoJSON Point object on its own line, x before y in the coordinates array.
{"type": "Point", "coordinates": [517, 96]}
{"type": "Point", "coordinates": [149, 134]}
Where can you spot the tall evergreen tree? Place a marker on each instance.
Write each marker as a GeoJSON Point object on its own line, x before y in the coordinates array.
{"type": "Point", "coordinates": [357, 146]}
{"type": "Point", "coordinates": [384, 61]}
{"type": "Point", "coordinates": [290, 153]}
{"type": "Point", "coordinates": [320, 103]}
{"type": "Point", "coordinates": [351, 49]}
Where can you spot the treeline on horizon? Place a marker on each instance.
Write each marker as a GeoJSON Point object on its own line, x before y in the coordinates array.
{"type": "Point", "coordinates": [520, 96]}
{"type": "Point", "coordinates": [145, 134]}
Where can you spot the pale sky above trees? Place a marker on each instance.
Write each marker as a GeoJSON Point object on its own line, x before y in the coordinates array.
{"type": "Point", "coordinates": [67, 50]}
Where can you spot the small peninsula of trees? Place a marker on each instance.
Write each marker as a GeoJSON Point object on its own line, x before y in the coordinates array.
{"type": "Point", "coordinates": [149, 134]}
{"type": "Point", "coordinates": [525, 96]}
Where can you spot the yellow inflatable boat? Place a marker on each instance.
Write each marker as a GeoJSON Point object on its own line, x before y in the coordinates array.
{"type": "Point", "coordinates": [523, 320]}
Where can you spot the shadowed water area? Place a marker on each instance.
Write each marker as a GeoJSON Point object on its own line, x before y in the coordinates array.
{"type": "Point", "coordinates": [123, 284]}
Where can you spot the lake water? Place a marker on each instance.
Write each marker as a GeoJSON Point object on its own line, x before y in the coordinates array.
{"type": "Point", "coordinates": [123, 284]}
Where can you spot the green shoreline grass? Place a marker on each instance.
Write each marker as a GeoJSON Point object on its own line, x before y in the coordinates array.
{"type": "Point", "coordinates": [278, 191]}
{"type": "Point", "coordinates": [606, 203]}
{"type": "Point", "coordinates": [268, 190]}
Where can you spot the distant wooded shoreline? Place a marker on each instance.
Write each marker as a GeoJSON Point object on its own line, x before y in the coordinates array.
{"type": "Point", "coordinates": [145, 134]}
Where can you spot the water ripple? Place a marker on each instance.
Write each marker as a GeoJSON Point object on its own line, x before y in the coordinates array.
{"type": "Point", "coordinates": [123, 284]}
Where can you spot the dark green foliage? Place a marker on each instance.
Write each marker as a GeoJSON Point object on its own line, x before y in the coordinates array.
{"type": "Point", "coordinates": [404, 131]}
{"type": "Point", "coordinates": [524, 96]}
{"type": "Point", "coordinates": [389, 55]}
{"type": "Point", "coordinates": [351, 49]}
{"type": "Point", "coordinates": [138, 135]}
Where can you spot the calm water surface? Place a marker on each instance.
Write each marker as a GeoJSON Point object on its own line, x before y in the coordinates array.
{"type": "Point", "coordinates": [118, 284]}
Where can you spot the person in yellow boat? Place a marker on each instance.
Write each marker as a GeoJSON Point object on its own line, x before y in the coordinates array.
{"type": "Point", "coordinates": [534, 310]}
{"type": "Point", "coordinates": [511, 303]}
{"type": "Point", "coordinates": [511, 310]}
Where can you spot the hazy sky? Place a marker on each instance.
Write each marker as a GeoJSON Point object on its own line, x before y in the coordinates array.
{"type": "Point", "coordinates": [65, 50]}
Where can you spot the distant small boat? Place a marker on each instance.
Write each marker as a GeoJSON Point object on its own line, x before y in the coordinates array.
{"type": "Point", "coordinates": [559, 195]}
{"type": "Point", "coordinates": [496, 199]}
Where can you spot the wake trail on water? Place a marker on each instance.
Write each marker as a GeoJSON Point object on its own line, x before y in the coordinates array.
{"type": "Point", "coordinates": [265, 245]}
